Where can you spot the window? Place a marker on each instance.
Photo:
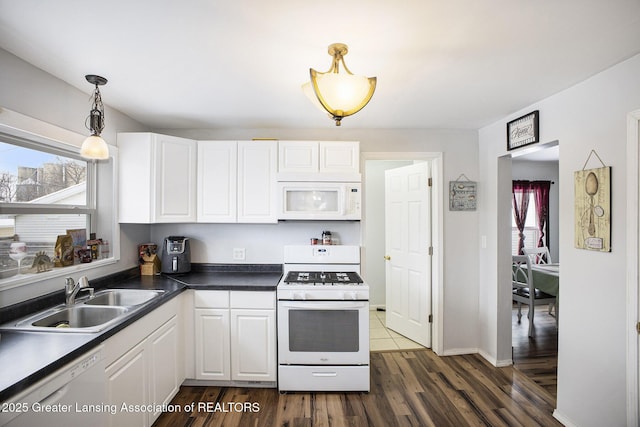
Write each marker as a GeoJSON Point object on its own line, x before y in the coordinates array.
{"type": "Point", "coordinates": [44, 191]}
{"type": "Point", "coordinates": [531, 232]}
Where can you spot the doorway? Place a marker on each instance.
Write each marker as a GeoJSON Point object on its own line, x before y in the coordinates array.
{"type": "Point", "coordinates": [537, 356]}
{"type": "Point", "coordinates": [373, 232]}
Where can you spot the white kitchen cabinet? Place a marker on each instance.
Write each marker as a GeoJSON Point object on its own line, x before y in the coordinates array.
{"type": "Point", "coordinates": [339, 157]}
{"type": "Point", "coordinates": [127, 380]}
{"type": "Point", "coordinates": [164, 365]}
{"type": "Point", "coordinates": [298, 157]}
{"type": "Point", "coordinates": [144, 365]}
{"type": "Point", "coordinates": [257, 168]}
{"type": "Point", "coordinates": [216, 178]}
{"type": "Point", "coordinates": [253, 345]}
{"type": "Point", "coordinates": [212, 335]}
{"type": "Point", "coordinates": [237, 181]}
{"type": "Point", "coordinates": [213, 359]}
{"type": "Point", "coordinates": [157, 178]}
{"type": "Point", "coordinates": [318, 161]}
{"type": "Point", "coordinates": [235, 337]}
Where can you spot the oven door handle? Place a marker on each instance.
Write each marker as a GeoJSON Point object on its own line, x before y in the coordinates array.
{"type": "Point", "coordinates": [335, 305]}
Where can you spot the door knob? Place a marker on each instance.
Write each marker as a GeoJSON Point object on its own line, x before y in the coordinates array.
{"type": "Point", "coordinates": [387, 258]}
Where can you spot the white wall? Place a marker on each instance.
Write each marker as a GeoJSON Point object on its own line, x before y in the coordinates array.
{"type": "Point", "coordinates": [547, 171]}
{"type": "Point", "coordinates": [263, 243]}
{"type": "Point", "coordinates": [592, 340]}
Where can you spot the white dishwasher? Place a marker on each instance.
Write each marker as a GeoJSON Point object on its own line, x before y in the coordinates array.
{"type": "Point", "coordinates": [73, 395]}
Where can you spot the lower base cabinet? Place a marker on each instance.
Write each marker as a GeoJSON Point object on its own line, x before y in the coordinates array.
{"type": "Point", "coordinates": [235, 336]}
{"type": "Point", "coordinates": [149, 373]}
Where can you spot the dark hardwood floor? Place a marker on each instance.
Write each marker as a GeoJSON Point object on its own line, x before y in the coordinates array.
{"type": "Point", "coordinates": [408, 388]}
{"type": "Point", "coordinates": [537, 357]}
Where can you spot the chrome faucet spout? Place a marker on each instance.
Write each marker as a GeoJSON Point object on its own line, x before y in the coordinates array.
{"type": "Point", "coordinates": [71, 289]}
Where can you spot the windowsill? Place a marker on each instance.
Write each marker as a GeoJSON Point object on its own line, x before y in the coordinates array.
{"type": "Point", "coordinates": [22, 279]}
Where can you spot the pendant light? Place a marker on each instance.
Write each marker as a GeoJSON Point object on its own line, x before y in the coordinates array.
{"type": "Point", "coordinates": [339, 92]}
{"type": "Point", "coordinates": [94, 147]}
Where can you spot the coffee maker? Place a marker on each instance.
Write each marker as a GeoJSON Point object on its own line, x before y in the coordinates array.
{"type": "Point", "coordinates": [176, 255]}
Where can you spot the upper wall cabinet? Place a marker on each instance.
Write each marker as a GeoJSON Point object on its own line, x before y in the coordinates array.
{"type": "Point", "coordinates": [237, 181]}
{"type": "Point", "coordinates": [157, 178]}
{"type": "Point", "coordinates": [318, 161]}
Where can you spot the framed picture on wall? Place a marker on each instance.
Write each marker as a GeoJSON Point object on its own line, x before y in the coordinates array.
{"type": "Point", "coordinates": [593, 209]}
{"type": "Point", "coordinates": [523, 131]}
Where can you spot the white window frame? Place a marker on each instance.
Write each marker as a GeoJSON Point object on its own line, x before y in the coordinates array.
{"type": "Point", "coordinates": [33, 133]}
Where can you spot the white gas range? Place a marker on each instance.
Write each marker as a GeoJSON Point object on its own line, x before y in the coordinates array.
{"type": "Point", "coordinates": [323, 320]}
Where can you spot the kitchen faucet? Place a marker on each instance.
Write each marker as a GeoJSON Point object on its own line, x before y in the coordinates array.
{"type": "Point", "coordinates": [71, 289]}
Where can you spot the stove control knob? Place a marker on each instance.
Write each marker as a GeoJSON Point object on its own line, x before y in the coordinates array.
{"type": "Point", "coordinates": [299, 296]}
{"type": "Point", "coordinates": [353, 295]}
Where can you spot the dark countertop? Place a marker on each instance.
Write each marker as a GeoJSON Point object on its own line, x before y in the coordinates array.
{"type": "Point", "coordinates": [27, 357]}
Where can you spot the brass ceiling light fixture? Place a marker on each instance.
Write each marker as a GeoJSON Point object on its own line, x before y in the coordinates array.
{"type": "Point", "coordinates": [94, 147]}
{"type": "Point", "coordinates": [339, 92]}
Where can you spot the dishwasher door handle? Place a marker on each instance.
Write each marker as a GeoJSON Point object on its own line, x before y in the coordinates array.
{"type": "Point", "coordinates": [55, 396]}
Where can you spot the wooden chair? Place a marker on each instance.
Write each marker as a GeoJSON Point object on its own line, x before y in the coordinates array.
{"type": "Point", "coordinates": [539, 255]}
{"type": "Point", "coordinates": [523, 289]}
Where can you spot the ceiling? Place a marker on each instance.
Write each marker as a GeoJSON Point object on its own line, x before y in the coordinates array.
{"type": "Point", "coordinates": [458, 64]}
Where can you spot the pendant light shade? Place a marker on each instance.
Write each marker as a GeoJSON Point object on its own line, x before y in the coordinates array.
{"type": "Point", "coordinates": [339, 92]}
{"type": "Point", "coordinates": [94, 147]}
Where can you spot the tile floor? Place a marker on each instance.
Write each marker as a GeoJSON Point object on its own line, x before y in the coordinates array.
{"type": "Point", "coordinates": [381, 338]}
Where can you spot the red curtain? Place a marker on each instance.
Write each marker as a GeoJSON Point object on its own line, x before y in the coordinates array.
{"type": "Point", "coordinates": [541, 196]}
{"type": "Point", "coordinates": [521, 194]}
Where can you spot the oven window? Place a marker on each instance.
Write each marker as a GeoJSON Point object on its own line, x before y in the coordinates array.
{"type": "Point", "coordinates": [324, 330]}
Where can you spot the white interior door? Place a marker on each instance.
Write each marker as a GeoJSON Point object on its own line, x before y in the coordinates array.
{"type": "Point", "coordinates": [407, 243]}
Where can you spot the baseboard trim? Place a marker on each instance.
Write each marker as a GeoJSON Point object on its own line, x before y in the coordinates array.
{"type": "Point", "coordinates": [459, 351]}
{"type": "Point", "coordinates": [495, 362]}
{"type": "Point", "coordinates": [563, 419]}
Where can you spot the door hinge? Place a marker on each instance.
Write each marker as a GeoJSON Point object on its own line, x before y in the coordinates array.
{"type": "Point", "coordinates": [431, 250]}
{"type": "Point", "coordinates": [430, 182]}
{"type": "Point", "coordinates": [638, 327]}
{"type": "Point", "coordinates": [431, 318]}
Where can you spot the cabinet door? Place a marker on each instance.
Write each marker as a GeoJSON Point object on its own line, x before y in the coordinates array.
{"type": "Point", "coordinates": [217, 174]}
{"type": "Point", "coordinates": [175, 179]}
{"type": "Point", "coordinates": [212, 344]}
{"type": "Point", "coordinates": [127, 384]}
{"type": "Point", "coordinates": [253, 345]}
{"type": "Point", "coordinates": [340, 157]}
{"type": "Point", "coordinates": [164, 370]}
{"type": "Point", "coordinates": [257, 166]}
{"type": "Point", "coordinates": [297, 157]}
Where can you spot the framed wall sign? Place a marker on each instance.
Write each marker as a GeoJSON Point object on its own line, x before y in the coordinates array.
{"type": "Point", "coordinates": [592, 192]}
{"type": "Point", "coordinates": [523, 131]}
{"type": "Point", "coordinates": [462, 195]}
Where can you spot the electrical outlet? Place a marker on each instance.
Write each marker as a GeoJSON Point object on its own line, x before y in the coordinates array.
{"type": "Point", "coordinates": [238, 254]}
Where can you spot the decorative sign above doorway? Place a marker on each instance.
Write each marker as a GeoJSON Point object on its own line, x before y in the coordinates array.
{"type": "Point", "coordinates": [523, 131]}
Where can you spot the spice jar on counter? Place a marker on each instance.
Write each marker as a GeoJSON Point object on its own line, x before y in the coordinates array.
{"type": "Point", "coordinates": [326, 237]}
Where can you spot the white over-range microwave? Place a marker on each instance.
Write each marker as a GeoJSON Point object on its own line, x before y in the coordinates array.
{"type": "Point", "coordinates": [320, 200]}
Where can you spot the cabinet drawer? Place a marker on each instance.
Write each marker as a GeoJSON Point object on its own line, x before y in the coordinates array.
{"type": "Point", "coordinates": [211, 299]}
{"type": "Point", "coordinates": [249, 299]}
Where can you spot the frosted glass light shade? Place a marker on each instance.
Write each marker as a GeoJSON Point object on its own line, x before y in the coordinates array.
{"type": "Point", "coordinates": [340, 93]}
{"type": "Point", "coordinates": [344, 93]}
{"type": "Point", "coordinates": [94, 147]}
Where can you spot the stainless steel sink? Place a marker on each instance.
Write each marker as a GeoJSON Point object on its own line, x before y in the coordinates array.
{"type": "Point", "coordinates": [106, 308]}
{"type": "Point", "coordinates": [123, 297]}
{"type": "Point", "coordinates": [80, 317]}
